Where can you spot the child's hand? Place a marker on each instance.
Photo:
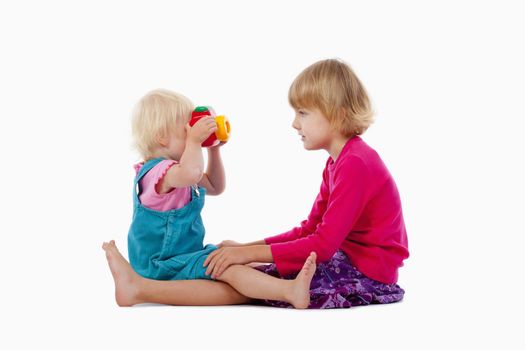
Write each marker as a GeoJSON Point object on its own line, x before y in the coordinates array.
{"type": "Point", "coordinates": [217, 146]}
{"type": "Point", "coordinates": [202, 129]}
{"type": "Point", "coordinates": [220, 259]}
{"type": "Point", "coordinates": [229, 243]}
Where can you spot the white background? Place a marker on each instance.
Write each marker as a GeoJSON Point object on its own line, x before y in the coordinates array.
{"type": "Point", "coordinates": [446, 80]}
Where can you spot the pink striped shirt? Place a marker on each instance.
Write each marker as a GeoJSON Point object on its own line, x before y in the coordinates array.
{"type": "Point", "coordinates": [357, 210]}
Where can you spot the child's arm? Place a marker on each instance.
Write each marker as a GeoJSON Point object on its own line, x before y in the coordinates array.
{"type": "Point", "coordinates": [309, 225]}
{"type": "Point", "coordinates": [348, 197]}
{"type": "Point", "coordinates": [220, 259]}
{"type": "Point", "coordinates": [190, 168]}
{"type": "Point", "coordinates": [230, 243]}
{"type": "Point", "coordinates": [347, 200]}
{"type": "Point", "coordinates": [214, 179]}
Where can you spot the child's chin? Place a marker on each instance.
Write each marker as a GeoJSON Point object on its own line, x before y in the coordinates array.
{"type": "Point", "coordinates": [310, 147]}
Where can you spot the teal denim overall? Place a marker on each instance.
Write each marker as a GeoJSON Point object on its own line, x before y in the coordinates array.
{"type": "Point", "coordinates": [168, 245]}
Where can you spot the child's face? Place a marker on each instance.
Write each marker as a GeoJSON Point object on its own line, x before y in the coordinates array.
{"type": "Point", "coordinates": [177, 143]}
{"type": "Point", "coordinates": [315, 130]}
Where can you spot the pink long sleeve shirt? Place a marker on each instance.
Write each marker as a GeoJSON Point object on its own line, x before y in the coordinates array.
{"type": "Point", "coordinates": [358, 210]}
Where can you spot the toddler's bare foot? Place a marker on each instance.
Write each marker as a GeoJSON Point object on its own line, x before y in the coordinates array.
{"type": "Point", "coordinates": [300, 295]}
{"type": "Point", "coordinates": [126, 279]}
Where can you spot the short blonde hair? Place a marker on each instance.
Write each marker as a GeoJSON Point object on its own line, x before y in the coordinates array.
{"type": "Point", "coordinates": [158, 112]}
{"type": "Point", "coordinates": [332, 87]}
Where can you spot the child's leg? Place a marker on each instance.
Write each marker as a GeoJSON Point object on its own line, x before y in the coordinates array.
{"type": "Point", "coordinates": [258, 285]}
{"type": "Point", "coordinates": [131, 289]}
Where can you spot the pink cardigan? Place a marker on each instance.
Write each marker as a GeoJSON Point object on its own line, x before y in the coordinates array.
{"type": "Point", "coordinates": [357, 210]}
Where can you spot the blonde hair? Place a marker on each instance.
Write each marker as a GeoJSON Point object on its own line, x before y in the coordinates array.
{"type": "Point", "coordinates": [155, 115]}
{"type": "Point", "coordinates": [332, 87]}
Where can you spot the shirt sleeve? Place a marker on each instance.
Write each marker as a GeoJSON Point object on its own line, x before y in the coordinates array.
{"type": "Point", "coordinates": [155, 175]}
{"type": "Point", "coordinates": [345, 204]}
{"type": "Point", "coordinates": [309, 225]}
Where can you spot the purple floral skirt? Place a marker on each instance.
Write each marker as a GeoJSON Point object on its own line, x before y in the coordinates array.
{"type": "Point", "coordinates": [338, 284]}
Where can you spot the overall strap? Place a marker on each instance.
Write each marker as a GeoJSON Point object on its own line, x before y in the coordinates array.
{"type": "Point", "coordinates": [143, 171]}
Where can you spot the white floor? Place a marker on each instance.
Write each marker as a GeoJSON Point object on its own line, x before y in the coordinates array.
{"type": "Point", "coordinates": [79, 312]}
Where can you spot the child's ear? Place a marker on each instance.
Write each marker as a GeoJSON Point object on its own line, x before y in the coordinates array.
{"type": "Point", "coordinates": [162, 139]}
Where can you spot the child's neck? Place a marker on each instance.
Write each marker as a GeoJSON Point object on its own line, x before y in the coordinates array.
{"type": "Point", "coordinates": [161, 153]}
{"type": "Point", "coordinates": [335, 148]}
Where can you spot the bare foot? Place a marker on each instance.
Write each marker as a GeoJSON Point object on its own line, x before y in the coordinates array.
{"type": "Point", "coordinates": [300, 293]}
{"type": "Point", "coordinates": [126, 279]}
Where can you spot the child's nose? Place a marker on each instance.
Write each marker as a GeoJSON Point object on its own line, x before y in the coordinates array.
{"type": "Point", "coordinates": [295, 124]}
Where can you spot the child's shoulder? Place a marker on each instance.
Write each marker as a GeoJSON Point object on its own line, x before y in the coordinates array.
{"type": "Point", "coordinates": [137, 167]}
{"type": "Point", "coordinates": [158, 169]}
{"type": "Point", "coordinates": [357, 155]}
{"type": "Point", "coordinates": [356, 150]}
